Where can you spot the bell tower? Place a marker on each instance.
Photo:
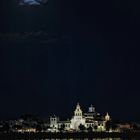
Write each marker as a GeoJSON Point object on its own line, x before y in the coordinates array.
{"type": "Point", "coordinates": [78, 111]}
{"type": "Point", "coordinates": [91, 109]}
{"type": "Point", "coordinates": [78, 118]}
{"type": "Point", "coordinates": [107, 117]}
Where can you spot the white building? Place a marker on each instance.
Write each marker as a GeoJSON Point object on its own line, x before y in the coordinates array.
{"type": "Point", "coordinates": [77, 119]}
{"type": "Point", "coordinates": [90, 119]}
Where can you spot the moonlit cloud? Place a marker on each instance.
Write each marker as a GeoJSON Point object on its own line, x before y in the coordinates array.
{"type": "Point", "coordinates": [29, 2]}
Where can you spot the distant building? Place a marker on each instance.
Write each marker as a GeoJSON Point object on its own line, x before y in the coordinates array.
{"type": "Point", "coordinates": [123, 127]}
{"type": "Point", "coordinates": [88, 119]}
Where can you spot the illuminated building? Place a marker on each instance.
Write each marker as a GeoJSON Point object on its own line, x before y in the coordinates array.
{"type": "Point", "coordinates": [90, 119]}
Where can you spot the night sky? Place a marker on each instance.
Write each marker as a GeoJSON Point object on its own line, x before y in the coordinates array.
{"type": "Point", "coordinates": [91, 56]}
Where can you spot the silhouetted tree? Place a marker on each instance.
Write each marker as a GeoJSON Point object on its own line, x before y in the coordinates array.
{"type": "Point", "coordinates": [46, 128]}
{"type": "Point", "coordinates": [95, 127]}
{"type": "Point", "coordinates": [6, 127]}
{"type": "Point", "coordinates": [62, 128]}
{"type": "Point", "coordinates": [82, 127]}
{"type": "Point", "coordinates": [17, 127]}
{"type": "Point", "coordinates": [108, 125]}
{"type": "Point", "coordinates": [29, 117]}
{"type": "Point", "coordinates": [135, 127]}
{"type": "Point", "coordinates": [89, 129]}
{"type": "Point", "coordinates": [38, 128]}
{"type": "Point", "coordinates": [114, 126]}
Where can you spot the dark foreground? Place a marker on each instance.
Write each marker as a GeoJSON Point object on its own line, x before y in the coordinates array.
{"type": "Point", "coordinates": [44, 135]}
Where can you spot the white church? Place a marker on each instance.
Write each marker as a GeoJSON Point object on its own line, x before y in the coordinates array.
{"type": "Point", "coordinates": [90, 119]}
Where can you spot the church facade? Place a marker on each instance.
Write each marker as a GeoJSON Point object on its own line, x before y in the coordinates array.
{"type": "Point", "coordinates": [90, 119]}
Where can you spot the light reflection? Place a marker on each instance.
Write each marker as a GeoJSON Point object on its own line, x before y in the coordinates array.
{"type": "Point", "coordinates": [89, 139]}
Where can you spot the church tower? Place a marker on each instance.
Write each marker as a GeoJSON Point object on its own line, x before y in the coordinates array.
{"type": "Point", "coordinates": [78, 111]}
{"type": "Point", "coordinates": [54, 122]}
{"type": "Point", "coordinates": [107, 117]}
{"type": "Point", "coordinates": [91, 109]}
{"type": "Point", "coordinates": [77, 118]}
